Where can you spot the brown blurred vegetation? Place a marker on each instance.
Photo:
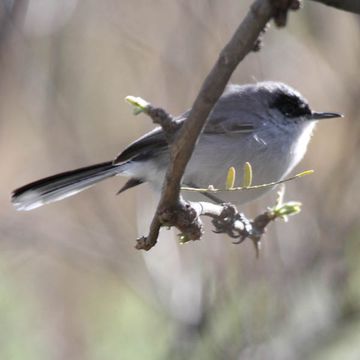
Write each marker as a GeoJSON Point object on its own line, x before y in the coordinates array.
{"type": "Point", "coordinates": [72, 286]}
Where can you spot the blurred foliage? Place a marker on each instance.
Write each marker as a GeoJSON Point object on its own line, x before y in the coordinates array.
{"type": "Point", "coordinates": [72, 286]}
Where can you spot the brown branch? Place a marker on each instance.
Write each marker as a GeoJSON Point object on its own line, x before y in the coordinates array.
{"type": "Point", "coordinates": [227, 220]}
{"type": "Point", "coordinates": [172, 210]}
{"type": "Point", "coordinates": [165, 120]}
{"type": "Point", "coordinates": [347, 5]}
{"type": "Point", "coordinates": [239, 46]}
{"type": "Point", "coordinates": [12, 14]}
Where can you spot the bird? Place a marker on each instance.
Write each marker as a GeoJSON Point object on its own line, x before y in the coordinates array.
{"type": "Point", "coordinates": [268, 124]}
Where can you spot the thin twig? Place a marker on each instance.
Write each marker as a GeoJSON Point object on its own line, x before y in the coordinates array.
{"type": "Point", "coordinates": [211, 189]}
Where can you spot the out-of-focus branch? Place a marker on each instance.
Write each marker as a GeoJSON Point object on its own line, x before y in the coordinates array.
{"type": "Point", "coordinates": [11, 13]}
{"type": "Point", "coordinates": [172, 210]}
{"type": "Point", "coordinates": [347, 5]}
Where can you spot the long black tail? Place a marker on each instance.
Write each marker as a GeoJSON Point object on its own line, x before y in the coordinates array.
{"type": "Point", "coordinates": [60, 186]}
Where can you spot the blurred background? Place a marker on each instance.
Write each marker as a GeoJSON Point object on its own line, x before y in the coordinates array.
{"type": "Point", "coordinates": [72, 286]}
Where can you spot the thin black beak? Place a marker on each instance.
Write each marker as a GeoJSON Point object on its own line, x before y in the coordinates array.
{"type": "Point", "coordinates": [324, 115]}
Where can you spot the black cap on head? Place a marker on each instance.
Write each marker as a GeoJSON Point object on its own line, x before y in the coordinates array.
{"type": "Point", "coordinates": [291, 104]}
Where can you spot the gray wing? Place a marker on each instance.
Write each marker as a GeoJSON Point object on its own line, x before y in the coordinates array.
{"type": "Point", "coordinates": [223, 120]}
{"type": "Point", "coordinates": [151, 143]}
{"type": "Point", "coordinates": [145, 146]}
{"type": "Point", "coordinates": [229, 126]}
{"type": "Point", "coordinates": [231, 114]}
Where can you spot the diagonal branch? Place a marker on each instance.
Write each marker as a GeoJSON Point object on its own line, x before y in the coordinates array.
{"type": "Point", "coordinates": [184, 143]}
{"type": "Point", "coordinates": [238, 47]}
{"type": "Point", "coordinates": [172, 210]}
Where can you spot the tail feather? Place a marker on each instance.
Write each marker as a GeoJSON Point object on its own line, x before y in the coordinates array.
{"type": "Point", "coordinates": [60, 186]}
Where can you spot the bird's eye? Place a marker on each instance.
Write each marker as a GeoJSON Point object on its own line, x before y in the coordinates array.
{"type": "Point", "coordinates": [291, 105]}
{"type": "Point", "coordinates": [287, 109]}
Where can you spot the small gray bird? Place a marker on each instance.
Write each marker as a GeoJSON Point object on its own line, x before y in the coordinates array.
{"type": "Point", "coordinates": [267, 124]}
